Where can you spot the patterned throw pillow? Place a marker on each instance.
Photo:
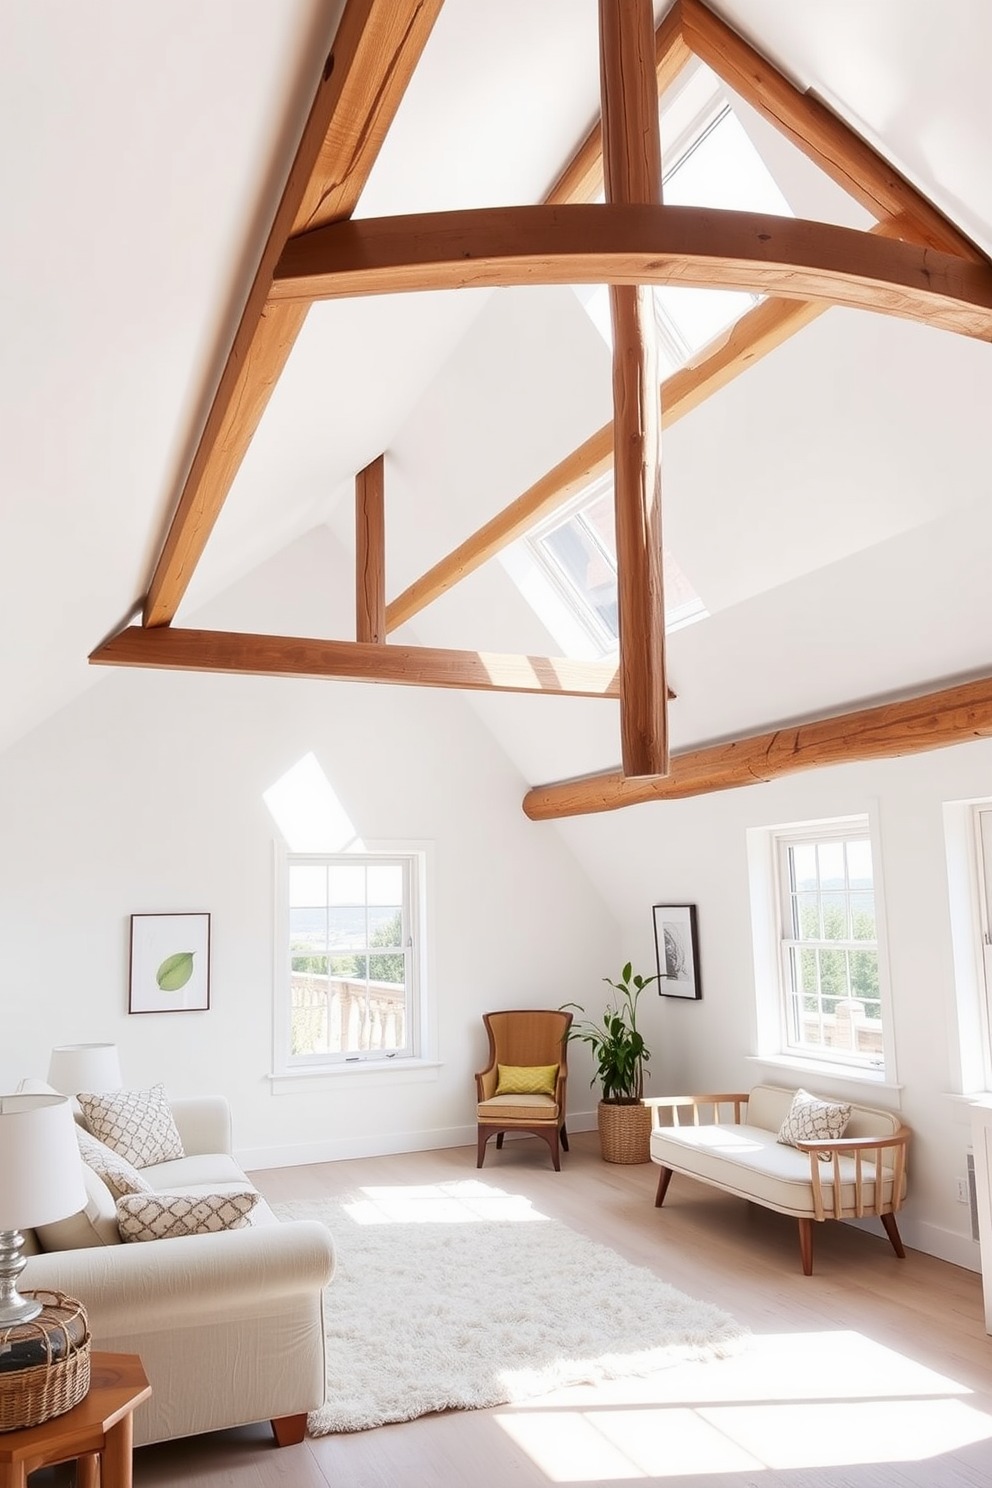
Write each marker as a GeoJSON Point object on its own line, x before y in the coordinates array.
{"type": "Point", "coordinates": [811, 1120]}
{"type": "Point", "coordinates": [166, 1216]}
{"type": "Point", "coordinates": [137, 1124]}
{"type": "Point", "coordinates": [526, 1079]}
{"type": "Point", "coordinates": [118, 1174]}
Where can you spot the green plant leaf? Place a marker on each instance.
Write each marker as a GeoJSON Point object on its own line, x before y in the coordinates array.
{"type": "Point", "coordinates": [175, 971]}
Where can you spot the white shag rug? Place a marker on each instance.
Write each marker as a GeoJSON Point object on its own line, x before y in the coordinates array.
{"type": "Point", "coordinates": [457, 1296]}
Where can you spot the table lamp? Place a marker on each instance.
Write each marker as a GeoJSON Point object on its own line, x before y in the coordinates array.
{"type": "Point", "coordinates": [41, 1181]}
{"type": "Point", "coordinates": [89, 1067]}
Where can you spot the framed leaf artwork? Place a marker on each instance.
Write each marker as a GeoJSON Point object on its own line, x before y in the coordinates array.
{"type": "Point", "coordinates": [170, 963]}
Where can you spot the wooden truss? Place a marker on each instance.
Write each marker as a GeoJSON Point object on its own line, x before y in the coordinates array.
{"type": "Point", "coordinates": [914, 263]}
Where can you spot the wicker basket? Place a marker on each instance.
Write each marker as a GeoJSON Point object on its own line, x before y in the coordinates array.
{"type": "Point", "coordinates": [44, 1364]}
{"type": "Point", "coordinates": [624, 1132]}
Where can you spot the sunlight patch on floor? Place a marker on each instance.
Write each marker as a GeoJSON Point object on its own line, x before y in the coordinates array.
{"type": "Point", "coordinates": [462, 1201]}
{"type": "Point", "coordinates": [594, 1446]}
{"type": "Point", "coordinates": [793, 1400]}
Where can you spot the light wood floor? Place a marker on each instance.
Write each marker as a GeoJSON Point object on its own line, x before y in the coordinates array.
{"type": "Point", "coordinates": [871, 1372]}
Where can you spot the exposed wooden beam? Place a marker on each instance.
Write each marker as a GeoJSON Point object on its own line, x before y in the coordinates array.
{"type": "Point", "coordinates": [582, 178]}
{"type": "Point", "coordinates": [755, 334]}
{"type": "Point", "coordinates": [819, 134]}
{"type": "Point", "coordinates": [545, 496]}
{"type": "Point", "coordinates": [632, 174]}
{"type": "Point", "coordinates": [695, 247]}
{"type": "Point", "coordinates": [375, 50]}
{"type": "Point", "coordinates": [744, 343]}
{"type": "Point", "coordinates": [178, 649]}
{"type": "Point", "coordinates": [951, 716]}
{"type": "Point", "coordinates": [370, 553]}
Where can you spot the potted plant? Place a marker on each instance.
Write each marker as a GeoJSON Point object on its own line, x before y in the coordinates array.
{"type": "Point", "coordinates": [620, 1053]}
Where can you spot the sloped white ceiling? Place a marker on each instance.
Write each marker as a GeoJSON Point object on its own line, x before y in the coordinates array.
{"type": "Point", "coordinates": [830, 505]}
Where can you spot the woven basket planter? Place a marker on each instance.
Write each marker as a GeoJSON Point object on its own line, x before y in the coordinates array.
{"type": "Point", "coordinates": [624, 1132]}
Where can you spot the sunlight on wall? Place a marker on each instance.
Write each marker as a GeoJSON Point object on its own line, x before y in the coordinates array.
{"type": "Point", "coordinates": [308, 813]}
{"type": "Point", "coordinates": [791, 1400]}
{"type": "Point", "coordinates": [463, 1201]}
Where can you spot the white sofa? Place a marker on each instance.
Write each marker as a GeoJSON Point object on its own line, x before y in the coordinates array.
{"type": "Point", "coordinates": [731, 1142]}
{"type": "Point", "coordinates": [229, 1326]}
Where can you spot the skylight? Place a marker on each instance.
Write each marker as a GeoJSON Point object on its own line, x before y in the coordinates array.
{"type": "Point", "coordinates": [712, 164]}
{"type": "Point", "coordinates": [576, 550]}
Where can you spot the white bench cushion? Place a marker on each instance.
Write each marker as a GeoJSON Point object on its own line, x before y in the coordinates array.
{"type": "Point", "coordinates": [750, 1162]}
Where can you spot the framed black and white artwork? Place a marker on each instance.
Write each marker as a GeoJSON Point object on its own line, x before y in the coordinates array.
{"type": "Point", "coordinates": [676, 941]}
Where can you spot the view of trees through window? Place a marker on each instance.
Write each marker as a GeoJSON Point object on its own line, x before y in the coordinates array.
{"type": "Point", "coordinates": [349, 957]}
{"type": "Point", "coordinates": [830, 944]}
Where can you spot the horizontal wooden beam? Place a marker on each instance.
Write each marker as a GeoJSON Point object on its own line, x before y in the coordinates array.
{"type": "Point", "coordinates": [177, 649]}
{"type": "Point", "coordinates": [953, 715]}
{"type": "Point", "coordinates": [691, 247]}
{"type": "Point", "coordinates": [824, 138]}
{"type": "Point", "coordinates": [376, 48]}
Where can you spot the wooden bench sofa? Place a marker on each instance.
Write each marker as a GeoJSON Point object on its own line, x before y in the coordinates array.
{"type": "Point", "coordinates": [731, 1142]}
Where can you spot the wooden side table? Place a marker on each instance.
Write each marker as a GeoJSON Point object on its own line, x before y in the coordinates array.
{"type": "Point", "coordinates": [98, 1432]}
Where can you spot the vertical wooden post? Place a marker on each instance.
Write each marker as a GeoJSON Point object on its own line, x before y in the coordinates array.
{"type": "Point", "coordinates": [370, 553]}
{"type": "Point", "coordinates": [632, 171]}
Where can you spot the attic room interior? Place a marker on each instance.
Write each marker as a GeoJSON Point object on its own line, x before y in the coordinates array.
{"type": "Point", "coordinates": [510, 474]}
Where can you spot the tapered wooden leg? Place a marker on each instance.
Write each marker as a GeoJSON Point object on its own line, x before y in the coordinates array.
{"type": "Point", "coordinates": [806, 1245]}
{"type": "Point", "coordinates": [551, 1137]}
{"type": "Point", "coordinates": [499, 1141]}
{"type": "Point", "coordinates": [664, 1179]}
{"type": "Point", "coordinates": [484, 1136]}
{"type": "Point", "coordinates": [88, 1471]}
{"type": "Point", "coordinates": [289, 1430]}
{"type": "Point", "coordinates": [564, 1137]}
{"type": "Point", "coordinates": [892, 1230]}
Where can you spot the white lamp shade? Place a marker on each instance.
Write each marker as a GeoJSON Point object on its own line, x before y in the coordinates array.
{"type": "Point", "coordinates": [89, 1067]}
{"type": "Point", "coordinates": [41, 1172]}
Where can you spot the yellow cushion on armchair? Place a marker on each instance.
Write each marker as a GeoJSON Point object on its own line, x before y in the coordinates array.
{"type": "Point", "coordinates": [526, 1079]}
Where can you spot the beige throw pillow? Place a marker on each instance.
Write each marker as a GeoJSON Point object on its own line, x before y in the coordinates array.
{"type": "Point", "coordinates": [118, 1174]}
{"type": "Point", "coordinates": [167, 1216]}
{"type": "Point", "coordinates": [136, 1124]}
{"type": "Point", "coordinates": [812, 1120]}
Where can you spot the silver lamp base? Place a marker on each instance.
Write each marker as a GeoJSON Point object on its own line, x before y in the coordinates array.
{"type": "Point", "coordinates": [13, 1307]}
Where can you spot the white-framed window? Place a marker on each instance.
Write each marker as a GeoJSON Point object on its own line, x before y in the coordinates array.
{"type": "Point", "coordinates": [350, 954]}
{"type": "Point", "coordinates": [821, 986]}
{"type": "Point", "coordinates": [982, 820]}
{"type": "Point", "coordinates": [576, 549]}
{"type": "Point", "coordinates": [830, 994]}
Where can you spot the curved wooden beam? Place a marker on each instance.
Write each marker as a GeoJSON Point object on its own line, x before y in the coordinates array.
{"type": "Point", "coordinates": [692, 247]}
{"type": "Point", "coordinates": [952, 716]}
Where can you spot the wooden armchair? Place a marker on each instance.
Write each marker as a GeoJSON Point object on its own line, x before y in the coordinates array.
{"type": "Point", "coordinates": [526, 1040]}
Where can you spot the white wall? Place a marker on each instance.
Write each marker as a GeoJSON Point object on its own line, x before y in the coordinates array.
{"type": "Point", "coordinates": [145, 794]}
{"type": "Point", "coordinates": [695, 851]}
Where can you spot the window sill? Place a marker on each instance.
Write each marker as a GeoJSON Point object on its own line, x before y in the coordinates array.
{"type": "Point", "coordinates": [368, 1071]}
{"type": "Point", "coordinates": [837, 1074]}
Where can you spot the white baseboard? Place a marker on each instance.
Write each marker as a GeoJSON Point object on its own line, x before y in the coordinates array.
{"type": "Point", "coordinates": [389, 1144]}
{"type": "Point", "coordinates": [960, 1250]}
{"type": "Point", "coordinates": [917, 1234]}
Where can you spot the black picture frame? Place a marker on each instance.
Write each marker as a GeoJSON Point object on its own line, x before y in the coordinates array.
{"type": "Point", "coordinates": [676, 944]}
